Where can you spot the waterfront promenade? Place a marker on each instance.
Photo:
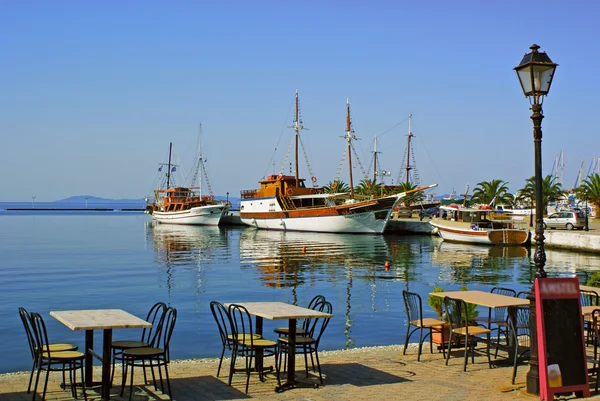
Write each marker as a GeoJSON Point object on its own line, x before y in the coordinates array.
{"type": "Point", "coordinates": [359, 374]}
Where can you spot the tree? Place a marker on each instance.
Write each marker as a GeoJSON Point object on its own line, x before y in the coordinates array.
{"type": "Point", "coordinates": [336, 186]}
{"type": "Point", "coordinates": [551, 191]}
{"type": "Point", "coordinates": [590, 190]}
{"type": "Point", "coordinates": [495, 191]}
{"type": "Point", "coordinates": [368, 187]}
{"type": "Point", "coordinates": [410, 198]}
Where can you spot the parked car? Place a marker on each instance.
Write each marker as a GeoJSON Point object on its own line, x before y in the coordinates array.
{"type": "Point", "coordinates": [565, 219]}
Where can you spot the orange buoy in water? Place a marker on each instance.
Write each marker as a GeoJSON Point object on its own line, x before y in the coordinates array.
{"type": "Point", "coordinates": [387, 264]}
{"type": "Point", "coordinates": [303, 249]}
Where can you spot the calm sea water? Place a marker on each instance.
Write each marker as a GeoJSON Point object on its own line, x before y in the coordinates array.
{"type": "Point", "coordinates": [58, 261]}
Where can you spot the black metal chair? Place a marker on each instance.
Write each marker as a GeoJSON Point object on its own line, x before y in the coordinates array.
{"type": "Point", "coordinates": [595, 344]}
{"type": "Point", "coordinates": [588, 298]}
{"type": "Point", "coordinates": [247, 345]}
{"type": "Point", "coordinates": [154, 316]}
{"type": "Point", "coordinates": [56, 347]}
{"type": "Point", "coordinates": [496, 320]}
{"type": "Point", "coordinates": [524, 294]}
{"type": "Point", "coordinates": [414, 312]}
{"type": "Point", "coordinates": [301, 329]}
{"type": "Point", "coordinates": [457, 312]}
{"type": "Point", "coordinates": [225, 326]}
{"type": "Point", "coordinates": [155, 355]}
{"type": "Point", "coordinates": [520, 333]}
{"type": "Point", "coordinates": [49, 360]}
{"type": "Point", "coordinates": [308, 344]}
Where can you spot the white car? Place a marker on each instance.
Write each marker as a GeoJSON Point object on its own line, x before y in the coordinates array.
{"type": "Point", "coordinates": [565, 219]}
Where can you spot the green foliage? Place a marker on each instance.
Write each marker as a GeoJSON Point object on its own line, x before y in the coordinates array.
{"type": "Point", "coordinates": [594, 281]}
{"type": "Point", "coordinates": [471, 312]}
{"type": "Point", "coordinates": [410, 198]}
{"type": "Point", "coordinates": [590, 190]}
{"type": "Point", "coordinates": [436, 302]}
{"type": "Point", "coordinates": [336, 186]}
{"type": "Point", "coordinates": [369, 187]}
{"type": "Point", "coordinates": [551, 191]}
{"type": "Point", "coordinates": [496, 190]}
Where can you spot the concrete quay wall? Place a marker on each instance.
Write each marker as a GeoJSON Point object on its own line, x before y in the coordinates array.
{"type": "Point", "coordinates": [588, 241]}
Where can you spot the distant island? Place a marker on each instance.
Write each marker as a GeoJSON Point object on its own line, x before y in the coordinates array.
{"type": "Point", "coordinates": [96, 199]}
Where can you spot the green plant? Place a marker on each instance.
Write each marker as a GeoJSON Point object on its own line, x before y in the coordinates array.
{"type": "Point", "coordinates": [471, 312]}
{"type": "Point", "coordinates": [436, 302]}
{"type": "Point", "coordinates": [594, 281]}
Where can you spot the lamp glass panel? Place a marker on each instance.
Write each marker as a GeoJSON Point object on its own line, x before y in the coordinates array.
{"type": "Point", "coordinates": [542, 76]}
{"type": "Point", "coordinates": [525, 79]}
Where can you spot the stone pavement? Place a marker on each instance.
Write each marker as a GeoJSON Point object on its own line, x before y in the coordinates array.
{"type": "Point", "coordinates": [360, 374]}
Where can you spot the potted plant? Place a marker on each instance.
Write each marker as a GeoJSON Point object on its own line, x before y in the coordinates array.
{"type": "Point", "coordinates": [441, 334]}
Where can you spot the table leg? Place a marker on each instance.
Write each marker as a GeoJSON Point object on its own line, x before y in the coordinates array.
{"type": "Point", "coordinates": [106, 363]}
{"type": "Point", "coordinates": [89, 357]}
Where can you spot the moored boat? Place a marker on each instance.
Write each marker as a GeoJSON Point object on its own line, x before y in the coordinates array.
{"type": "Point", "coordinates": [477, 226]}
{"type": "Point", "coordinates": [284, 202]}
{"type": "Point", "coordinates": [185, 205]}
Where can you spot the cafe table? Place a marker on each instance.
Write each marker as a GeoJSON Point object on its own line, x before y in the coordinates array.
{"type": "Point", "coordinates": [487, 299]}
{"type": "Point", "coordinates": [99, 319]}
{"type": "Point", "coordinates": [282, 311]}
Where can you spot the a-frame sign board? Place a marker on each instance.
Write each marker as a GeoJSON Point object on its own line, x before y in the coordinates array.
{"type": "Point", "coordinates": [561, 346]}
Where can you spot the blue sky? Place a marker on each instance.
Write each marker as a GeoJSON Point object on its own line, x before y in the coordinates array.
{"type": "Point", "coordinates": [93, 92]}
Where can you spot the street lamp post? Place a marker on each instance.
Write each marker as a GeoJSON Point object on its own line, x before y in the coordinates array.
{"type": "Point", "coordinates": [535, 73]}
{"type": "Point", "coordinates": [33, 202]}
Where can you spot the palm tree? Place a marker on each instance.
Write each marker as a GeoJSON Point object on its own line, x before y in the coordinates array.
{"type": "Point", "coordinates": [368, 187]}
{"type": "Point", "coordinates": [495, 191]}
{"type": "Point", "coordinates": [410, 198]}
{"type": "Point", "coordinates": [589, 190]}
{"type": "Point", "coordinates": [336, 186]}
{"type": "Point", "coordinates": [551, 191]}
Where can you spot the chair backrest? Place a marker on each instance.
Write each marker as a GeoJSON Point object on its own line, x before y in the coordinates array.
{"type": "Point", "coordinates": [26, 319]}
{"type": "Point", "coordinates": [500, 313]}
{"type": "Point", "coordinates": [588, 298]}
{"type": "Point", "coordinates": [596, 329]}
{"type": "Point", "coordinates": [316, 299]}
{"type": "Point", "coordinates": [319, 324]}
{"type": "Point", "coordinates": [456, 313]}
{"type": "Point", "coordinates": [221, 315]}
{"type": "Point", "coordinates": [413, 305]}
{"type": "Point", "coordinates": [520, 329]}
{"type": "Point", "coordinates": [163, 335]}
{"type": "Point", "coordinates": [154, 316]}
{"type": "Point", "coordinates": [309, 323]}
{"type": "Point", "coordinates": [40, 335]}
{"type": "Point", "coordinates": [241, 324]}
{"type": "Point", "coordinates": [523, 294]}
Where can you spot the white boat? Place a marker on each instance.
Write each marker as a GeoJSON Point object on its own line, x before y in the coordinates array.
{"type": "Point", "coordinates": [284, 202]}
{"type": "Point", "coordinates": [185, 205]}
{"type": "Point", "coordinates": [478, 225]}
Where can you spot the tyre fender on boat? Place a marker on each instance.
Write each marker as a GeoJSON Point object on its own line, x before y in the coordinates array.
{"type": "Point", "coordinates": [288, 192]}
{"type": "Point", "coordinates": [313, 178]}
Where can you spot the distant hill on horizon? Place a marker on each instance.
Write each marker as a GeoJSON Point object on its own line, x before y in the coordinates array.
{"type": "Point", "coordinates": [82, 198]}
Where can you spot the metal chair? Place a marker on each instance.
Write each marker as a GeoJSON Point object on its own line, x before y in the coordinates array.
{"type": "Point", "coordinates": [154, 316]}
{"type": "Point", "coordinates": [524, 294]}
{"type": "Point", "coordinates": [155, 355]}
{"type": "Point", "coordinates": [225, 326]}
{"type": "Point", "coordinates": [247, 345]}
{"type": "Point", "coordinates": [497, 317]}
{"type": "Point", "coordinates": [301, 329]}
{"type": "Point", "coordinates": [460, 326]}
{"type": "Point", "coordinates": [520, 333]}
{"type": "Point", "coordinates": [588, 298]}
{"type": "Point", "coordinates": [49, 360]}
{"type": "Point", "coordinates": [308, 344]}
{"type": "Point", "coordinates": [414, 312]}
{"type": "Point", "coordinates": [595, 344]}
{"type": "Point", "coordinates": [56, 347]}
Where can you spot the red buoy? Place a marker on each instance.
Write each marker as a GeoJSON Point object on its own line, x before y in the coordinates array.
{"type": "Point", "coordinates": [303, 249]}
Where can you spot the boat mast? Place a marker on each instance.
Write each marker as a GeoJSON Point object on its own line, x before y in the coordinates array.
{"type": "Point", "coordinates": [410, 135]}
{"type": "Point", "coordinates": [169, 166]}
{"type": "Point", "coordinates": [375, 162]}
{"type": "Point", "coordinates": [465, 196]}
{"type": "Point", "coordinates": [297, 127]}
{"type": "Point", "coordinates": [349, 137]}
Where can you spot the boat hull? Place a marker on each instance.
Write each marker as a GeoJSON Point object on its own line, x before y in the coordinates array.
{"type": "Point", "coordinates": [481, 236]}
{"type": "Point", "coordinates": [369, 217]}
{"type": "Point", "coordinates": [209, 215]}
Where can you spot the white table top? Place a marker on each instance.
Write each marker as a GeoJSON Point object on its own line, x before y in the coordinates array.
{"type": "Point", "coordinates": [98, 319]}
{"type": "Point", "coordinates": [482, 298]}
{"type": "Point", "coordinates": [279, 310]}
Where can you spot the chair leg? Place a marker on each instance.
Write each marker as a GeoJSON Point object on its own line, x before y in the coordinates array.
{"type": "Point", "coordinates": [406, 341]}
{"type": "Point", "coordinates": [449, 347]}
{"type": "Point", "coordinates": [168, 382]}
{"type": "Point", "coordinates": [466, 353]}
{"type": "Point", "coordinates": [420, 344]}
{"type": "Point", "coordinates": [318, 365]}
{"type": "Point", "coordinates": [220, 361]}
{"type": "Point", "coordinates": [37, 378]}
{"type": "Point", "coordinates": [31, 377]}
{"type": "Point", "coordinates": [45, 383]}
{"type": "Point", "coordinates": [232, 365]}
{"type": "Point", "coordinates": [131, 382]}
{"type": "Point", "coordinates": [431, 340]}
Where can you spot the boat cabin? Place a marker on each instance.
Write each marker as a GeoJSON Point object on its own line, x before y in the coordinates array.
{"type": "Point", "coordinates": [179, 198]}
